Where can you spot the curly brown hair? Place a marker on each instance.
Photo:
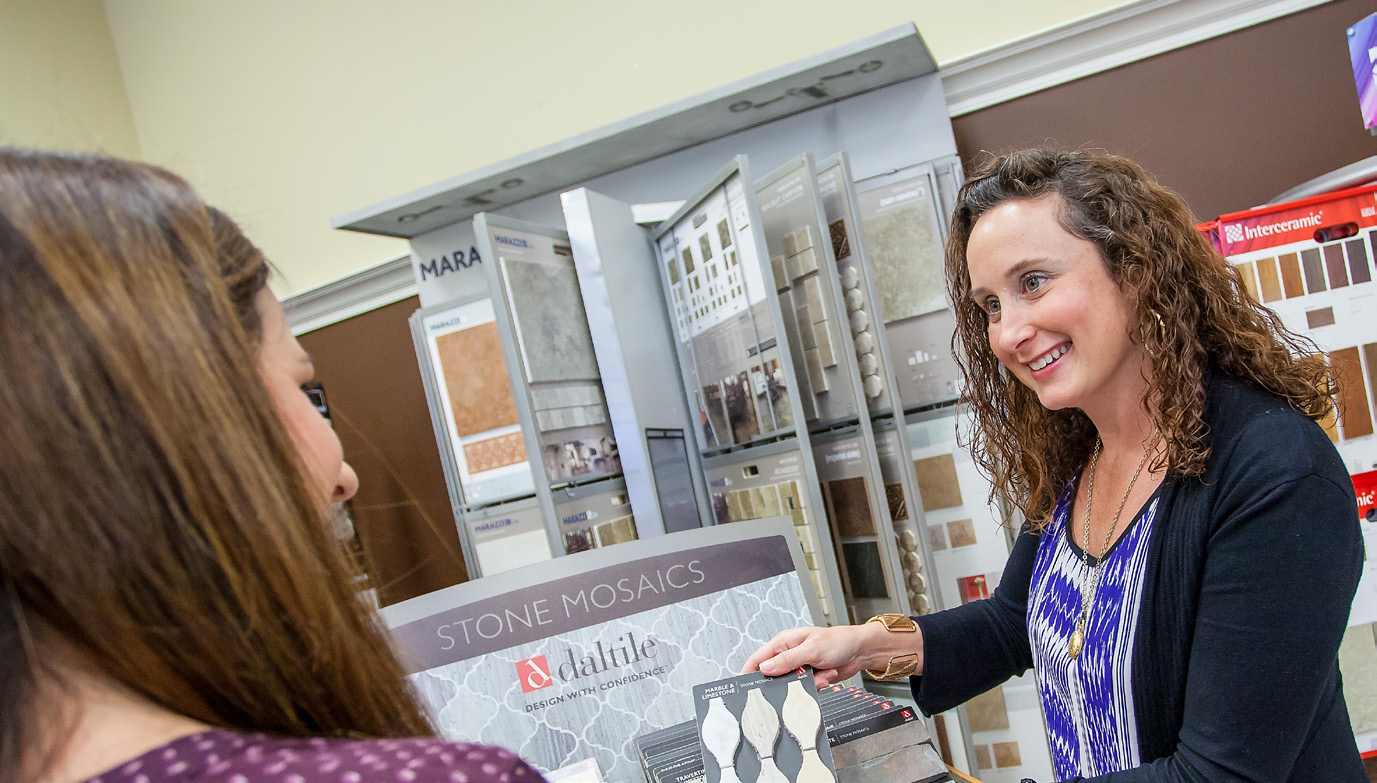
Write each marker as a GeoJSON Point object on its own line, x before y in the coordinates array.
{"type": "Point", "coordinates": [1190, 305]}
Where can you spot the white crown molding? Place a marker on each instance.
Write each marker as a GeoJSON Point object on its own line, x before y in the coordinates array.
{"type": "Point", "coordinates": [351, 295]}
{"type": "Point", "coordinates": [1107, 39]}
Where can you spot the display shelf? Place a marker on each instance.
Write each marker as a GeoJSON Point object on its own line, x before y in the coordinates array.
{"type": "Point", "coordinates": [873, 62]}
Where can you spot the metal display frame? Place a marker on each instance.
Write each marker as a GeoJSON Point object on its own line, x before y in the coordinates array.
{"type": "Point", "coordinates": [890, 419]}
{"type": "Point", "coordinates": [859, 418]}
{"type": "Point", "coordinates": [781, 439]}
{"type": "Point", "coordinates": [623, 299]}
{"type": "Point", "coordinates": [484, 226]}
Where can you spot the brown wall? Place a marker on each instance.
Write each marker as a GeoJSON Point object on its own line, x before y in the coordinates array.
{"type": "Point", "coordinates": [1230, 122]}
{"type": "Point", "coordinates": [373, 383]}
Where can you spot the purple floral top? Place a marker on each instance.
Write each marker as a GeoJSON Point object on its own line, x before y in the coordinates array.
{"type": "Point", "coordinates": [220, 756]}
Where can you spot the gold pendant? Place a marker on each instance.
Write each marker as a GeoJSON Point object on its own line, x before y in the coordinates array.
{"type": "Point", "coordinates": [1077, 642]}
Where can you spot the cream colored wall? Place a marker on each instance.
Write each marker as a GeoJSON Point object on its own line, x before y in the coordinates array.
{"type": "Point", "coordinates": [60, 84]}
{"type": "Point", "coordinates": [287, 114]}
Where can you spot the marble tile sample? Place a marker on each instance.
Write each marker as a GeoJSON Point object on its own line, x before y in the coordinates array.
{"type": "Point", "coordinates": [983, 759]}
{"type": "Point", "coordinates": [724, 234]}
{"type": "Point", "coordinates": [812, 287]}
{"type": "Point", "coordinates": [817, 379]}
{"type": "Point", "coordinates": [905, 250]}
{"type": "Point", "coordinates": [822, 340]}
{"type": "Point", "coordinates": [1006, 754]}
{"type": "Point", "coordinates": [803, 238]}
{"type": "Point", "coordinates": [777, 269]}
{"type": "Point", "coordinates": [937, 482]}
{"type": "Point", "coordinates": [475, 374]}
{"type": "Point", "coordinates": [804, 320]}
{"type": "Point", "coordinates": [493, 453]}
{"type": "Point", "coordinates": [551, 329]}
{"type": "Point", "coordinates": [791, 267]}
{"type": "Point", "coordinates": [807, 261]}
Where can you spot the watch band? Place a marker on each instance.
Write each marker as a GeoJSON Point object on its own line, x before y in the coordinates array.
{"type": "Point", "coordinates": [899, 666]}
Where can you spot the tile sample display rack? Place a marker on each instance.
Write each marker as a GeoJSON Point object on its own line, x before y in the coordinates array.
{"type": "Point", "coordinates": [822, 321]}
{"type": "Point", "coordinates": [615, 260]}
{"type": "Point", "coordinates": [482, 448]}
{"type": "Point", "coordinates": [905, 213]}
{"type": "Point", "coordinates": [739, 375]}
{"type": "Point", "coordinates": [874, 371]}
{"type": "Point", "coordinates": [557, 387]}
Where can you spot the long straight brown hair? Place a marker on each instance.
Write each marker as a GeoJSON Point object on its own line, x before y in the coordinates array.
{"type": "Point", "coordinates": [154, 515]}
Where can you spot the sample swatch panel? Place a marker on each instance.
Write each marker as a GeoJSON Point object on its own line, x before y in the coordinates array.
{"type": "Point", "coordinates": [551, 327]}
{"type": "Point", "coordinates": [1358, 270]}
{"type": "Point", "coordinates": [475, 373]}
{"type": "Point", "coordinates": [1355, 420]}
{"type": "Point", "coordinates": [1269, 279]}
{"type": "Point", "coordinates": [1314, 270]}
{"type": "Point", "coordinates": [1291, 276]}
{"type": "Point", "coordinates": [494, 453]}
{"type": "Point", "coordinates": [1334, 263]}
{"type": "Point", "coordinates": [851, 507]}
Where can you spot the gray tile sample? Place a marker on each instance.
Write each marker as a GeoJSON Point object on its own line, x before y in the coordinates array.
{"type": "Point", "coordinates": [551, 328]}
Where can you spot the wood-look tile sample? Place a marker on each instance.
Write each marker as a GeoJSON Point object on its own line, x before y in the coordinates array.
{"type": "Point", "coordinates": [1334, 264]}
{"type": "Point", "coordinates": [1355, 418]}
{"type": "Point", "coordinates": [494, 453]}
{"type": "Point", "coordinates": [1314, 270]}
{"type": "Point", "coordinates": [851, 507]}
{"type": "Point", "coordinates": [551, 328]}
{"type": "Point", "coordinates": [1323, 316]}
{"type": "Point", "coordinates": [1370, 355]}
{"type": "Point", "coordinates": [937, 482]}
{"type": "Point", "coordinates": [987, 711]}
{"type": "Point", "coordinates": [1245, 271]}
{"type": "Point", "coordinates": [1006, 754]}
{"type": "Point", "coordinates": [1291, 276]}
{"type": "Point", "coordinates": [1269, 279]}
{"type": "Point", "coordinates": [1358, 269]}
{"type": "Point", "coordinates": [475, 373]}
{"type": "Point", "coordinates": [961, 532]}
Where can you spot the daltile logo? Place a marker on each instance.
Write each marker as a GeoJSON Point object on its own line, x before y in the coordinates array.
{"type": "Point", "coordinates": [534, 674]}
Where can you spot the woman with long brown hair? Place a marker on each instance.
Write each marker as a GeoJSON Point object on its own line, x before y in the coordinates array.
{"type": "Point", "coordinates": [173, 606]}
{"type": "Point", "coordinates": [1191, 545]}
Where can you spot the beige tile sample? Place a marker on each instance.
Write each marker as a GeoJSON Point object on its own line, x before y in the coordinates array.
{"type": "Point", "coordinates": [937, 482]}
{"type": "Point", "coordinates": [475, 373]}
{"type": "Point", "coordinates": [987, 712]}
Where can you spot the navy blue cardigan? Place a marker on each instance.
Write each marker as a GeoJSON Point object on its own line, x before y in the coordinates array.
{"type": "Point", "coordinates": [1251, 573]}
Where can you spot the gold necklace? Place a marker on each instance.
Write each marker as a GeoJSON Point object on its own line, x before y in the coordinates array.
{"type": "Point", "coordinates": [1092, 581]}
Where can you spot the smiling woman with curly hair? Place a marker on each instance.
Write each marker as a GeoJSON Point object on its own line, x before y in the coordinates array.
{"type": "Point", "coordinates": [1185, 627]}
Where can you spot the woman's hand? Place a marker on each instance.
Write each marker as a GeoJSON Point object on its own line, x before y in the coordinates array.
{"type": "Point", "coordinates": [835, 653]}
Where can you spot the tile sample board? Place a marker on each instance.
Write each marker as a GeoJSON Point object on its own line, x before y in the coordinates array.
{"type": "Point", "coordinates": [717, 297]}
{"type": "Point", "coordinates": [477, 412]}
{"type": "Point", "coordinates": [558, 366]}
{"type": "Point", "coordinates": [904, 239]}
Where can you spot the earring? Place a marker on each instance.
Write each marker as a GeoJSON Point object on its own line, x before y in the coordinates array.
{"type": "Point", "coordinates": [1161, 334]}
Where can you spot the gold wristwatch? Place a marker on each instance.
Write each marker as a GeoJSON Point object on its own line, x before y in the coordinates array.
{"type": "Point", "coordinates": [899, 666]}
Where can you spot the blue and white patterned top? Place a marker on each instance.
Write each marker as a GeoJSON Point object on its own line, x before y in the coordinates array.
{"type": "Point", "coordinates": [1088, 702]}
